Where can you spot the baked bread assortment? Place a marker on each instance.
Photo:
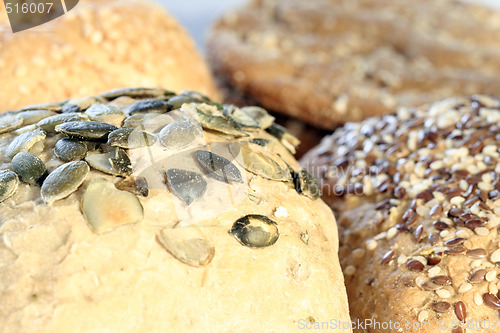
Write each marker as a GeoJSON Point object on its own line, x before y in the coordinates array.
{"type": "Point", "coordinates": [141, 210]}
{"type": "Point", "coordinates": [329, 62]}
{"type": "Point", "coordinates": [417, 199]}
{"type": "Point", "coordinates": [98, 45]}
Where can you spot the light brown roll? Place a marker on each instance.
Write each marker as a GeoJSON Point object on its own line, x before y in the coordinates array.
{"type": "Point", "coordinates": [98, 45]}
{"type": "Point", "coordinates": [120, 240]}
{"type": "Point", "coordinates": [329, 62]}
{"type": "Point", "coordinates": [417, 199]}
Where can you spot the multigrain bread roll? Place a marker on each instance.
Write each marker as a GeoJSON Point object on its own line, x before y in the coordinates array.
{"type": "Point", "coordinates": [328, 62]}
{"type": "Point", "coordinates": [417, 199]}
{"type": "Point", "coordinates": [144, 211]}
{"type": "Point", "coordinates": [98, 45]}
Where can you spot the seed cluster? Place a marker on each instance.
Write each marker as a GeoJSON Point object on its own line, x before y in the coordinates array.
{"type": "Point", "coordinates": [432, 173]}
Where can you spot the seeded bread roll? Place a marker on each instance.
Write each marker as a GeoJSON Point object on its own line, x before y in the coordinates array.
{"type": "Point", "coordinates": [98, 45]}
{"type": "Point", "coordinates": [139, 210]}
{"type": "Point", "coordinates": [417, 199]}
{"type": "Point", "coordinates": [329, 62]}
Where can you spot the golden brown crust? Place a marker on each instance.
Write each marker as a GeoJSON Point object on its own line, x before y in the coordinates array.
{"type": "Point", "coordinates": [328, 62]}
{"type": "Point", "coordinates": [99, 45]}
{"type": "Point", "coordinates": [418, 204]}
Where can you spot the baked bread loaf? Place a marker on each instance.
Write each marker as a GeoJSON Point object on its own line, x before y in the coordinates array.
{"type": "Point", "coordinates": [139, 210]}
{"type": "Point", "coordinates": [99, 45]}
{"type": "Point", "coordinates": [329, 62]}
{"type": "Point", "coordinates": [417, 199]}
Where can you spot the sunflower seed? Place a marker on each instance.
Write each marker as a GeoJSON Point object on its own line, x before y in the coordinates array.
{"type": "Point", "coordinates": [308, 185]}
{"type": "Point", "coordinates": [288, 141]}
{"type": "Point", "coordinates": [64, 180]}
{"type": "Point", "coordinates": [239, 116]}
{"type": "Point", "coordinates": [178, 134]}
{"type": "Point", "coordinates": [116, 162]}
{"type": "Point", "coordinates": [255, 231]}
{"type": "Point", "coordinates": [188, 245]}
{"type": "Point", "coordinates": [106, 114]}
{"type": "Point", "coordinates": [29, 167]}
{"type": "Point", "coordinates": [149, 106]}
{"type": "Point", "coordinates": [137, 186]}
{"type": "Point", "coordinates": [130, 138]}
{"type": "Point", "coordinates": [136, 93]}
{"type": "Point", "coordinates": [187, 185]}
{"type": "Point", "coordinates": [9, 181]}
{"type": "Point", "coordinates": [218, 167]}
{"type": "Point", "coordinates": [212, 120]}
{"type": "Point", "coordinates": [32, 142]}
{"type": "Point", "coordinates": [48, 124]}
{"type": "Point", "coordinates": [86, 130]}
{"type": "Point", "coordinates": [70, 150]}
{"type": "Point", "coordinates": [260, 115]}
{"type": "Point", "coordinates": [105, 207]}
{"type": "Point", "coordinates": [34, 116]}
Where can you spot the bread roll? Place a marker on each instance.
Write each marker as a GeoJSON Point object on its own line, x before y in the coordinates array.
{"type": "Point", "coordinates": [417, 199]}
{"type": "Point", "coordinates": [147, 221]}
{"type": "Point", "coordinates": [329, 62]}
{"type": "Point", "coordinates": [98, 45]}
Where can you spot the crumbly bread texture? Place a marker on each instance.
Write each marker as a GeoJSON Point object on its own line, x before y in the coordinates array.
{"type": "Point", "coordinates": [98, 45]}
{"type": "Point", "coordinates": [65, 266]}
{"type": "Point", "coordinates": [329, 62]}
{"type": "Point", "coordinates": [417, 199]}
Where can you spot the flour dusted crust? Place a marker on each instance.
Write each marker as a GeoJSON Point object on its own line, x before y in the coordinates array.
{"type": "Point", "coordinates": [417, 199]}
{"type": "Point", "coordinates": [98, 45]}
{"type": "Point", "coordinates": [329, 62]}
{"type": "Point", "coordinates": [58, 275]}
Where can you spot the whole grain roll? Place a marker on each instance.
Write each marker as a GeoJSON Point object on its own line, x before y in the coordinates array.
{"type": "Point", "coordinates": [417, 199]}
{"type": "Point", "coordinates": [98, 45]}
{"type": "Point", "coordinates": [328, 62]}
{"type": "Point", "coordinates": [139, 210]}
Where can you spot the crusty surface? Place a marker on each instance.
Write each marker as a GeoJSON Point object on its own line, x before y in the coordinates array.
{"type": "Point", "coordinates": [389, 179]}
{"type": "Point", "coordinates": [328, 62]}
{"type": "Point", "coordinates": [56, 272]}
{"type": "Point", "coordinates": [98, 45]}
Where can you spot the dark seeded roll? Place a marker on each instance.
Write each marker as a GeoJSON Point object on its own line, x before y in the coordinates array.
{"type": "Point", "coordinates": [417, 199]}
{"type": "Point", "coordinates": [141, 210]}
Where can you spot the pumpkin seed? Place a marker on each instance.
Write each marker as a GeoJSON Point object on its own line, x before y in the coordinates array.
{"type": "Point", "coordinates": [215, 121]}
{"type": "Point", "coordinates": [70, 150]}
{"type": "Point", "coordinates": [9, 181]}
{"type": "Point", "coordinates": [137, 185]}
{"type": "Point", "coordinates": [136, 93]}
{"type": "Point", "coordinates": [195, 94]}
{"type": "Point", "coordinates": [32, 141]}
{"type": "Point", "coordinates": [115, 162]}
{"type": "Point", "coordinates": [255, 231]}
{"type": "Point", "coordinates": [188, 245]}
{"type": "Point", "coordinates": [130, 138]}
{"type": "Point", "coordinates": [218, 167]}
{"type": "Point", "coordinates": [34, 116]}
{"type": "Point", "coordinates": [262, 162]}
{"type": "Point", "coordinates": [289, 141]}
{"type": "Point", "coordinates": [81, 104]}
{"type": "Point", "coordinates": [178, 134]}
{"type": "Point", "coordinates": [106, 114]}
{"type": "Point", "coordinates": [149, 106]}
{"type": "Point", "coordinates": [64, 180]}
{"type": "Point", "coordinates": [263, 143]}
{"type": "Point", "coordinates": [105, 207]}
{"type": "Point", "coordinates": [10, 122]}
{"type": "Point", "coordinates": [29, 167]}
{"type": "Point", "coordinates": [176, 102]}
{"type": "Point", "coordinates": [308, 185]}
{"type": "Point", "coordinates": [260, 115]}
{"type": "Point", "coordinates": [187, 185]}
{"type": "Point", "coordinates": [53, 106]}
{"type": "Point", "coordinates": [48, 124]}
{"type": "Point", "coordinates": [24, 129]}
{"type": "Point", "coordinates": [241, 117]}
{"type": "Point", "coordinates": [86, 130]}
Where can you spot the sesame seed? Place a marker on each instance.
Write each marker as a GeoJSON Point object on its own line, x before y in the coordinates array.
{"type": "Point", "coordinates": [495, 256]}
{"type": "Point", "coordinates": [475, 263]}
{"type": "Point", "coordinates": [482, 231]}
{"type": "Point", "coordinates": [434, 271]}
{"type": "Point", "coordinates": [478, 299]}
{"type": "Point", "coordinates": [492, 287]}
{"type": "Point", "coordinates": [444, 233]}
{"type": "Point", "coordinates": [443, 293]}
{"type": "Point", "coordinates": [457, 201]}
{"type": "Point", "coordinates": [380, 236]}
{"type": "Point", "coordinates": [358, 253]}
{"type": "Point", "coordinates": [371, 245]}
{"type": "Point", "coordinates": [392, 232]}
{"type": "Point", "coordinates": [423, 316]}
{"type": "Point", "coordinates": [422, 259]}
{"type": "Point", "coordinates": [349, 270]}
{"type": "Point", "coordinates": [490, 276]}
{"type": "Point", "coordinates": [402, 259]}
{"type": "Point", "coordinates": [465, 287]}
